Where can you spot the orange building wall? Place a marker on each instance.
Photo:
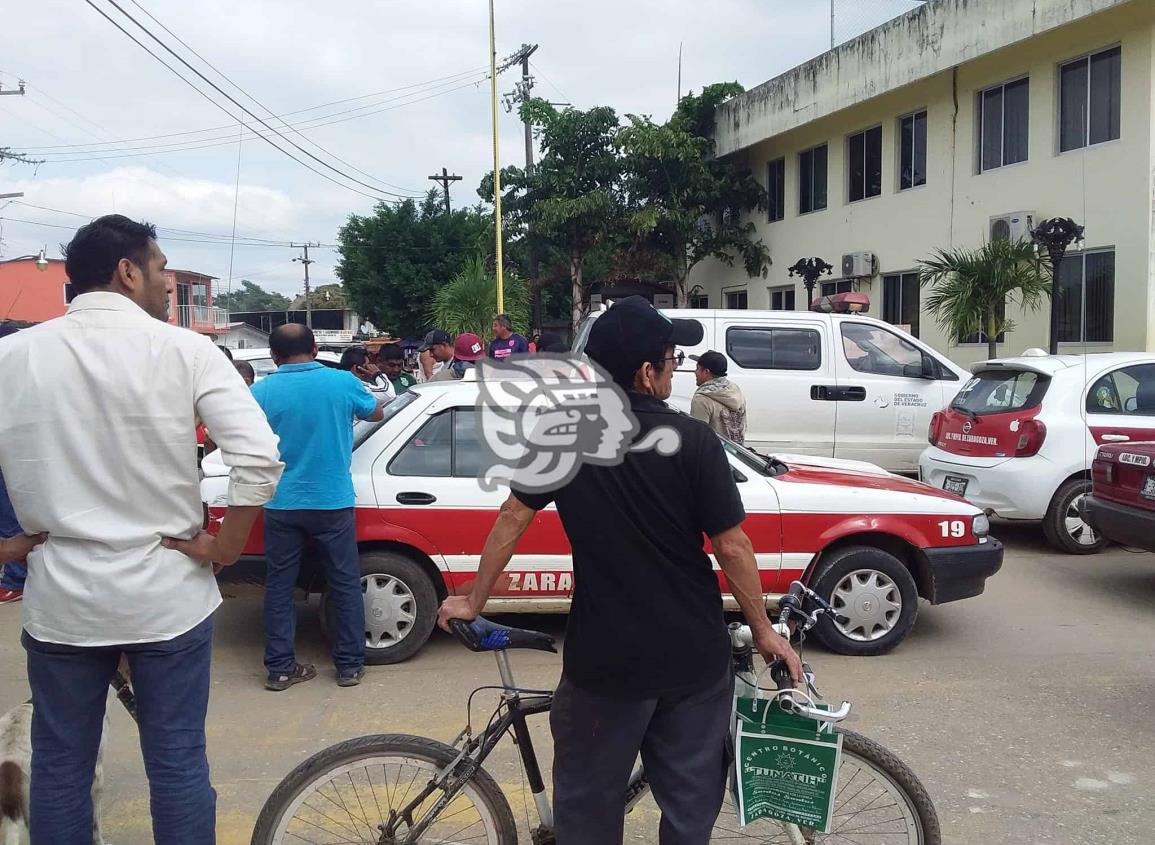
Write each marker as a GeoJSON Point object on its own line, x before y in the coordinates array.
{"type": "Point", "coordinates": [29, 294]}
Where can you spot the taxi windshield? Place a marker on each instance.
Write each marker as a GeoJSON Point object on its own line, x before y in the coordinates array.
{"type": "Point", "coordinates": [758, 463]}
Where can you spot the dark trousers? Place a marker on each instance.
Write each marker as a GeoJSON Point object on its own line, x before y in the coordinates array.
{"type": "Point", "coordinates": [335, 534]}
{"type": "Point", "coordinates": [597, 738]}
{"type": "Point", "coordinates": [69, 689]}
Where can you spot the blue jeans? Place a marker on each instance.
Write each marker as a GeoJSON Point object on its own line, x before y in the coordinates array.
{"type": "Point", "coordinates": [335, 534]}
{"type": "Point", "coordinates": [69, 690]}
{"type": "Point", "coordinates": [13, 575]}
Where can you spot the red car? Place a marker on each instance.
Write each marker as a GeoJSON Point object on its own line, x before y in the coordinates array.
{"type": "Point", "coordinates": [1122, 502]}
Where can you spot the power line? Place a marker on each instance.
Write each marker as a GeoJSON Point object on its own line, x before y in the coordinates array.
{"type": "Point", "coordinates": [430, 85]}
{"type": "Point", "coordinates": [269, 241]}
{"type": "Point", "coordinates": [253, 99]}
{"type": "Point", "coordinates": [548, 80]}
{"type": "Point", "coordinates": [267, 140]}
{"type": "Point", "coordinates": [207, 143]}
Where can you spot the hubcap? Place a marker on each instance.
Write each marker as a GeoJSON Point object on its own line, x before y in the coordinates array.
{"type": "Point", "coordinates": [390, 610]}
{"type": "Point", "coordinates": [1076, 526]}
{"type": "Point", "coordinates": [870, 602]}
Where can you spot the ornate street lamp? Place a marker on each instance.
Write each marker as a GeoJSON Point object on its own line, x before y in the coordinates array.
{"type": "Point", "coordinates": [810, 269]}
{"type": "Point", "coordinates": [1054, 236]}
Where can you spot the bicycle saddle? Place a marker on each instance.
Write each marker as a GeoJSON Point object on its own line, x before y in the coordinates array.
{"type": "Point", "coordinates": [483, 635]}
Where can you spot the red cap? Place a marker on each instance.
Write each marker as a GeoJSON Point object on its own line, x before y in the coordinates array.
{"type": "Point", "coordinates": [468, 347]}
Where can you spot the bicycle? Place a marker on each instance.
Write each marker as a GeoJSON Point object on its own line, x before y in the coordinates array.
{"type": "Point", "coordinates": [438, 793]}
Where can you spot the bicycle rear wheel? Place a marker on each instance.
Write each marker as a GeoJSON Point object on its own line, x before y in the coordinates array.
{"type": "Point", "coordinates": [347, 793]}
{"type": "Point", "coordinates": [880, 801]}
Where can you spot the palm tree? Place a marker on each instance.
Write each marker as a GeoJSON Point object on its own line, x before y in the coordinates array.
{"type": "Point", "coordinates": [468, 302]}
{"type": "Point", "coordinates": [972, 288]}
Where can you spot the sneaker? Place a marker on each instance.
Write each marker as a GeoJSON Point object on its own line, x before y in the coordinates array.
{"type": "Point", "coordinates": [8, 596]}
{"type": "Point", "coordinates": [350, 677]}
{"type": "Point", "coordinates": [278, 682]}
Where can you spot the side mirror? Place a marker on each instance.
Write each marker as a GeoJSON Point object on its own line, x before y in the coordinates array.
{"type": "Point", "coordinates": [924, 370]}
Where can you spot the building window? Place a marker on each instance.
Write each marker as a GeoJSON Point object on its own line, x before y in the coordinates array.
{"type": "Point", "coordinates": [1089, 100]}
{"type": "Point", "coordinates": [812, 180]}
{"type": "Point", "coordinates": [774, 349]}
{"type": "Point", "coordinates": [776, 189]}
{"type": "Point", "coordinates": [837, 286]}
{"type": "Point", "coordinates": [1087, 297]}
{"type": "Point", "coordinates": [69, 293]}
{"type": "Point", "coordinates": [699, 300]}
{"type": "Point", "coordinates": [1003, 119]}
{"type": "Point", "coordinates": [736, 299]}
{"type": "Point", "coordinates": [912, 151]}
{"type": "Point", "coordinates": [900, 300]}
{"type": "Point", "coordinates": [865, 164]}
{"type": "Point", "coordinates": [782, 299]}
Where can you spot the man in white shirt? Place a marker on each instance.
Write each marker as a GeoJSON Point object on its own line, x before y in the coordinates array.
{"type": "Point", "coordinates": [97, 438]}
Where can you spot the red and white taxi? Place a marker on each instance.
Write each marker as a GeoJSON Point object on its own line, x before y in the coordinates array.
{"type": "Point", "coordinates": [1122, 502]}
{"type": "Point", "coordinates": [871, 542]}
{"type": "Point", "coordinates": [1019, 439]}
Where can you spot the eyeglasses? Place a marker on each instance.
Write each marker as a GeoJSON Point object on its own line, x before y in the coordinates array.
{"type": "Point", "coordinates": [678, 358]}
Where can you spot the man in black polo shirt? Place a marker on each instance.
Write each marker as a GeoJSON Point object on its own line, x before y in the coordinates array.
{"type": "Point", "coordinates": [646, 665]}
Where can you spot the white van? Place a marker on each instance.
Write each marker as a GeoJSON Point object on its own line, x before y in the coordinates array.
{"type": "Point", "coordinates": [833, 385]}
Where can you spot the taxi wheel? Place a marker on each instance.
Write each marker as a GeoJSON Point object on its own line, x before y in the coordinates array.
{"type": "Point", "coordinates": [875, 594]}
{"type": "Point", "coordinates": [1064, 526]}
{"type": "Point", "coordinates": [400, 607]}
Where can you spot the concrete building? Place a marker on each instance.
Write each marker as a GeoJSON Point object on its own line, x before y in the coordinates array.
{"type": "Point", "coordinates": [959, 121]}
{"type": "Point", "coordinates": [243, 336]}
{"type": "Point", "coordinates": [33, 291]}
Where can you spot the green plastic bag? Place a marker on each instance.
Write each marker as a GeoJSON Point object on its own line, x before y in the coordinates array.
{"type": "Point", "coordinates": [786, 766]}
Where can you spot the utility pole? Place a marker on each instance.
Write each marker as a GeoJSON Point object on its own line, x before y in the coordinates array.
{"type": "Point", "coordinates": [306, 261]}
{"type": "Point", "coordinates": [17, 92]}
{"type": "Point", "coordinates": [5, 152]}
{"type": "Point", "coordinates": [521, 92]}
{"type": "Point", "coordinates": [444, 179]}
{"type": "Point", "coordinates": [831, 24]}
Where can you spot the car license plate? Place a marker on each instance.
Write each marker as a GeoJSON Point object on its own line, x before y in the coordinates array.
{"type": "Point", "coordinates": [1148, 491]}
{"type": "Point", "coordinates": [956, 485]}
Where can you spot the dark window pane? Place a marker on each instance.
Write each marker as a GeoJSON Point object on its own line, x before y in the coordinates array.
{"type": "Point", "coordinates": [874, 161]}
{"type": "Point", "coordinates": [470, 454]}
{"type": "Point", "coordinates": [806, 182]}
{"type": "Point", "coordinates": [736, 299]}
{"type": "Point", "coordinates": [1071, 299]}
{"type": "Point", "coordinates": [1016, 107]}
{"type": "Point", "coordinates": [857, 161]}
{"type": "Point", "coordinates": [788, 305]}
{"type": "Point", "coordinates": [774, 349]}
{"type": "Point", "coordinates": [1105, 104]}
{"type": "Point", "coordinates": [992, 128]}
{"type": "Point", "coordinates": [1100, 297]}
{"type": "Point", "coordinates": [429, 453]}
{"type": "Point", "coordinates": [892, 299]}
{"type": "Point", "coordinates": [920, 148]}
{"type": "Point", "coordinates": [906, 153]}
{"type": "Point", "coordinates": [776, 188]}
{"type": "Point", "coordinates": [820, 178]}
{"type": "Point", "coordinates": [910, 302]}
{"type": "Point", "coordinates": [1073, 105]}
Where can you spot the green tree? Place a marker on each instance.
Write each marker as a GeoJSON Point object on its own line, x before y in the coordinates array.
{"type": "Point", "coordinates": [685, 203]}
{"type": "Point", "coordinates": [572, 201]}
{"type": "Point", "coordinates": [971, 289]}
{"type": "Point", "coordinates": [393, 260]}
{"type": "Point", "coordinates": [328, 296]}
{"type": "Point", "coordinates": [251, 297]}
{"type": "Point", "coordinates": [468, 302]}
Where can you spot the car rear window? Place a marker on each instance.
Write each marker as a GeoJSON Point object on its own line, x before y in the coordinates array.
{"type": "Point", "coordinates": [1002, 392]}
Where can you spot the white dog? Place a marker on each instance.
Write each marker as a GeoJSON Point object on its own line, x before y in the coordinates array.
{"type": "Point", "coordinates": [15, 761]}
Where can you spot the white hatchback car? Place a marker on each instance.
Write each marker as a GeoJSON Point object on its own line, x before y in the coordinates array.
{"type": "Point", "coordinates": [1019, 439]}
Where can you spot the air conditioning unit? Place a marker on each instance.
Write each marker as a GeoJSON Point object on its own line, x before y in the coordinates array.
{"type": "Point", "coordinates": [857, 265]}
{"type": "Point", "coordinates": [663, 300]}
{"type": "Point", "coordinates": [1011, 227]}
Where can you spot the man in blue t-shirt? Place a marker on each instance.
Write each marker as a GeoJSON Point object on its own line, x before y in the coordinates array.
{"type": "Point", "coordinates": [506, 341]}
{"type": "Point", "coordinates": [311, 409]}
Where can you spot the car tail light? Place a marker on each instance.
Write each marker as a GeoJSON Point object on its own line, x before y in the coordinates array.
{"type": "Point", "coordinates": [1032, 434]}
{"type": "Point", "coordinates": [936, 422]}
{"type": "Point", "coordinates": [1102, 471]}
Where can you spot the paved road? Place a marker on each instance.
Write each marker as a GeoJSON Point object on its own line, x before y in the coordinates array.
{"type": "Point", "coordinates": [1027, 712]}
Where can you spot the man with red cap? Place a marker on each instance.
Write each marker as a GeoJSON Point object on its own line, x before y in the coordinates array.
{"type": "Point", "coordinates": [647, 657]}
{"type": "Point", "coordinates": [467, 350]}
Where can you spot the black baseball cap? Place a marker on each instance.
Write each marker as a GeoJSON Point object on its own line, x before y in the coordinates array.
{"type": "Point", "coordinates": [433, 338]}
{"type": "Point", "coordinates": [632, 332]}
{"type": "Point", "coordinates": [713, 361]}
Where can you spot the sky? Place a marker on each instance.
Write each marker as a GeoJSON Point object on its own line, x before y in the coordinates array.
{"type": "Point", "coordinates": [92, 94]}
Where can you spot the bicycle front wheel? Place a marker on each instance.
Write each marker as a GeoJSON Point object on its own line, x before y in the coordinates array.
{"type": "Point", "coordinates": [880, 801]}
{"type": "Point", "coordinates": [365, 791]}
